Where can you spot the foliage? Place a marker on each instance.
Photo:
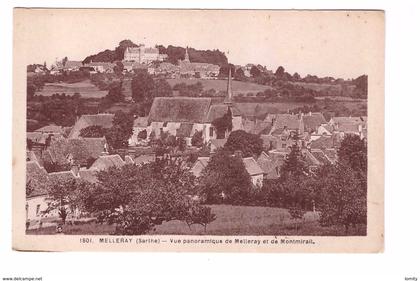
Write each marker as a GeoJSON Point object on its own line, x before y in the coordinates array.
{"type": "Point", "coordinates": [64, 196]}
{"type": "Point", "coordinates": [137, 198]}
{"type": "Point", "coordinates": [223, 124]}
{"type": "Point", "coordinates": [111, 55]}
{"type": "Point", "coordinates": [353, 152]}
{"type": "Point", "coordinates": [142, 135]}
{"type": "Point", "coordinates": [255, 72]}
{"type": "Point", "coordinates": [145, 89]}
{"type": "Point", "coordinates": [224, 70]}
{"type": "Point", "coordinates": [297, 214]}
{"type": "Point", "coordinates": [249, 144]}
{"type": "Point", "coordinates": [199, 215]}
{"type": "Point", "coordinates": [197, 139]}
{"type": "Point", "coordinates": [344, 196]}
{"type": "Point", "coordinates": [225, 180]}
{"type": "Point", "coordinates": [122, 128]}
{"type": "Point", "coordinates": [294, 164]}
{"type": "Point", "coordinates": [205, 56]}
{"type": "Point", "coordinates": [115, 93]}
{"type": "Point", "coordinates": [94, 131]}
{"type": "Point", "coordinates": [51, 167]}
{"type": "Point", "coordinates": [191, 90]}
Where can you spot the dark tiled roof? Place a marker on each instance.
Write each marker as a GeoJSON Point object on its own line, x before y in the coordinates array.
{"type": "Point", "coordinates": [218, 110]}
{"type": "Point", "coordinates": [107, 161]}
{"type": "Point", "coordinates": [143, 159]}
{"type": "Point", "coordinates": [325, 142]}
{"type": "Point", "coordinates": [218, 143]}
{"type": "Point", "coordinates": [179, 109]}
{"type": "Point", "coordinates": [289, 121]}
{"type": "Point", "coordinates": [51, 129]}
{"type": "Point", "coordinates": [252, 166]}
{"type": "Point", "coordinates": [185, 130]}
{"type": "Point", "coordinates": [37, 177]}
{"type": "Point", "coordinates": [104, 120]}
{"type": "Point", "coordinates": [313, 121]}
{"type": "Point", "coordinates": [320, 156]}
{"type": "Point", "coordinates": [140, 122]}
{"type": "Point", "coordinates": [88, 175]}
{"type": "Point", "coordinates": [62, 176]}
{"type": "Point", "coordinates": [80, 149]}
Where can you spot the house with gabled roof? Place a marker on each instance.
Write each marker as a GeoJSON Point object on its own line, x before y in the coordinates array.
{"type": "Point", "coordinates": [77, 151]}
{"type": "Point", "coordinates": [312, 121]}
{"type": "Point", "coordinates": [251, 166]}
{"type": "Point", "coordinates": [271, 166]}
{"type": "Point", "coordinates": [168, 113]}
{"type": "Point", "coordinates": [107, 161]}
{"type": "Point", "coordinates": [103, 120]}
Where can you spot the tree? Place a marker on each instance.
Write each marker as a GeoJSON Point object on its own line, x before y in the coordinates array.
{"type": "Point", "coordinates": [239, 75]}
{"type": "Point", "coordinates": [122, 128]}
{"type": "Point", "coordinates": [249, 144]}
{"type": "Point", "coordinates": [94, 131]}
{"type": "Point", "coordinates": [223, 124]}
{"type": "Point", "coordinates": [63, 196]}
{"type": "Point", "coordinates": [115, 93]}
{"type": "Point", "coordinates": [118, 68]}
{"type": "Point", "coordinates": [255, 72]}
{"type": "Point", "coordinates": [64, 61]}
{"type": "Point", "coordinates": [294, 164]}
{"type": "Point", "coordinates": [224, 70]}
{"type": "Point", "coordinates": [353, 152]}
{"type": "Point", "coordinates": [137, 198]}
{"type": "Point", "coordinates": [143, 87]}
{"type": "Point", "coordinates": [142, 135]}
{"type": "Point", "coordinates": [344, 196]}
{"type": "Point", "coordinates": [225, 180]}
{"type": "Point", "coordinates": [279, 72]}
{"type": "Point", "coordinates": [122, 46]}
{"type": "Point", "coordinates": [199, 215]}
{"type": "Point", "coordinates": [162, 89]}
{"type": "Point", "coordinates": [197, 139]}
{"type": "Point", "coordinates": [297, 214]}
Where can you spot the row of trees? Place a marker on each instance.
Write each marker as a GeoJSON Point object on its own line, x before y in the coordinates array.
{"type": "Point", "coordinates": [338, 191]}
{"type": "Point", "coordinates": [134, 198]}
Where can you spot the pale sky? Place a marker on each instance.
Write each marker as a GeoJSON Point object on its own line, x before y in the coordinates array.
{"type": "Point", "coordinates": [337, 44]}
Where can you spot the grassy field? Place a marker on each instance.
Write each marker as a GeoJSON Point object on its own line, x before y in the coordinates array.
{"type": "Point", "coordinates": [85, 88]}
{"type": "Point", "coordinates": [230, 220]}
{"type": "Point", "coordinates": [238, 87]}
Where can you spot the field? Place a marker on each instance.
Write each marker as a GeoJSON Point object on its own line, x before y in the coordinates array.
{"type": "Point", "coordinates": [85, 88]}
{"type": "Point", "coordinates": [238, 87]}
{"type": "Point", "coordinates": [230, 220]}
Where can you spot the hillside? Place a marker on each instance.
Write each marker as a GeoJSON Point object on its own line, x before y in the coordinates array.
{"type": "Point", "coordinates": [238, 87]}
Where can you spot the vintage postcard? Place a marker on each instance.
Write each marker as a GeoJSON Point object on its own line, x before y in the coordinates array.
{"type": "Point", "coordinates": [198, 130]}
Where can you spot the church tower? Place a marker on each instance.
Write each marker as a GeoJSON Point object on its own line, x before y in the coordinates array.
{"type": "Point", "coordinates": [187, 57]}
{"type": "Point", "coordinates": [229, 95]}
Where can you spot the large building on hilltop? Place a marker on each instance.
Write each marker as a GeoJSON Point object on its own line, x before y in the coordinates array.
{"type": "Point", "coordinates": [141, 54]}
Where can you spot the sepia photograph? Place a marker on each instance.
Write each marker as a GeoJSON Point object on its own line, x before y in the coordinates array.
{"type": "Point", "coordinates": [198, 130]}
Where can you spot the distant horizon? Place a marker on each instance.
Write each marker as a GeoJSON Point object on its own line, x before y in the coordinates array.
{"type": "Point", "coordinates": [310, 43]}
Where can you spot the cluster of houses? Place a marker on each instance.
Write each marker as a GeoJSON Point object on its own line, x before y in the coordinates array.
{"type": "Point", "coordinates": [136, 58]}
{"type": "Point", "coordinates": [81, 158]}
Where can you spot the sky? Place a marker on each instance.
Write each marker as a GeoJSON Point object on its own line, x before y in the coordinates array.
{"type": "Point", "coordinates": [336, 44]}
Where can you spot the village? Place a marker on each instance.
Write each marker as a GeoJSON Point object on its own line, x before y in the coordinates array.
{"type": "Point", "coordinates": [189, 130]}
